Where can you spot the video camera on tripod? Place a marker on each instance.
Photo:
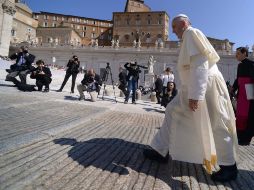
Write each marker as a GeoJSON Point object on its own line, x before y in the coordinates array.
{"type": "Point", "coordinates": [105, 79]}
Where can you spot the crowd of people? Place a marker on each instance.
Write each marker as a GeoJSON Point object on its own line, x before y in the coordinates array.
{"type": "Point", "coordinates": [200, 111]}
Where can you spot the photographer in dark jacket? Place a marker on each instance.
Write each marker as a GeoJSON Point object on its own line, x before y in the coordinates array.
{"type": "Point", "coordinates": [73, 69]}
{"type": "Point", "coordinates": [122, 80]}
{"type": "Point", "coordinates": [91, 82]}
{"type": "Point", "coordinates": [132, 78]}
{"type": "Point", "coordinates": [22, 67]}
{"type": "Point", "coordinates": [42, 75]}
{"type": "Point", "coordinates": [158, 84]}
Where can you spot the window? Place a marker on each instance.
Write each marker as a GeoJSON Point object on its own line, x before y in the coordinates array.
{"type": "Point", "coordinates": [78, 27]}
{"type": "Point", "coordinates": [84, 27]}
{"type": "Point", "coordinates": [45, 24]}
{"type": "Point", "coordinates": [62, 18]}
{"type": "Point", "coordinates": [54, 24]}
{"type": "Point", "coordinates": [84, 34]}
{"type": "Point", "coordinates": [13, 32]}
{"type": "Point", "coordinates": [160, 21]}
{"type": "Point", "coordinates": [128, 21]}
{"type": "Point", "coordinates": [138, 21]}
{"type": "Point", "coordinates": [93, 35]}
{"type": "Point", "coordinates": [54, 17]}
{"type": "Point", "coordinates": [72, 19]}
{"type": "Point", "coordinates": [93, 29]}
{"type": "Point", "coordinates": [46, 17]}
{"type": "Point", "coordinates": [148, 21]}
{"type": "Point", "coordinates": [102, 30]}
{"type": "Point", "coordinates": [94, 22]}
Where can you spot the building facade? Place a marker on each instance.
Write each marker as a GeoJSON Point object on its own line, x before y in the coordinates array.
{"type": "Point", "coordinates": [139, 26]}
{"type": "Point", "coordinates": [23, 25]}
{"type": "Point", "coordinates": [7, 11]}
{"type": "Point", "coordinates": [88, 28]}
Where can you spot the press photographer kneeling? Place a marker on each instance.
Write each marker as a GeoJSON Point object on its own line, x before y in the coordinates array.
{"type": "Point", "coordinates": [42, 75]}
{"type": "Point", "coordinates": [91, 83]}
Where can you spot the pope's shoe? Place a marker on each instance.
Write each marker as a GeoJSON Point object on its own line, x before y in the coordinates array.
{"type": "Point", "coordinates": [226, 173]}
{"type": "Point", "coordinates": [151, 154]}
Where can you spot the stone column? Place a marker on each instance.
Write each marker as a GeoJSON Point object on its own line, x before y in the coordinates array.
{"type": "Point", "coordinates": [7, 11]}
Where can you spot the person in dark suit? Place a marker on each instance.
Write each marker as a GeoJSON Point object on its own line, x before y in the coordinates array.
{"type": "Point", "coordinates": [158, 86]}
{"type": "Point", "coordinates": [91, 82]}
{"type": "Point", "coordinates": [122, 80]}
{"type": "Point", "coordinates": [22, 67]}
{"type": "Point", "coordinates": [42, 74]}
{"type": "Point", "coordinates": [73, 70]}
{"type": "Point", "coordinates": [245, 106]}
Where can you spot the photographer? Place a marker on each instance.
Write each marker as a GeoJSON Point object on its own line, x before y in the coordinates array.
{"type": "Point", "coordinates": [22, 66]}
{"type": "Point", "coordinates": [91, 82]}
{"type": "Point", "coordinates": [73, 69]}
{"type": "Point", "coordinates": [123, 82]}
{"type": "Point", "coordinates": [132, 78]}
{"type": "Point", "coordinates": [42, 75]}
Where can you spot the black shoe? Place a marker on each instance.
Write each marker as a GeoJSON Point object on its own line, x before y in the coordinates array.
{"type": "Point", "coordinates": [46, 90]}
{"type": "Point", "coordinates": [72, 91]}
{"type": "Point", "coordinates": [80, 98]}
{"type": "Point", "coordinates": [125, 102]}
{"type": "Point", "coordinates": [133, 102]}
{"type": "Point", "coordinates": [153, 155]}
{"type": "Point", "coordinates": [8, 70]}
{"type": "Point", "coordinates": [59, 90]}
{"type": "Point", "coordinates": [243, 143]}
{"type": "Point", "coordinates": [226, 173]}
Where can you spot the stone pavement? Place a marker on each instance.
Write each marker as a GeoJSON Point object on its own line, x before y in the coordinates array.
{"type": "Point", "coordinates": [53, 141]}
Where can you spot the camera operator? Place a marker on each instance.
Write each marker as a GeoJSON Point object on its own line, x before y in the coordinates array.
{"type": "Point", "coordinates": [42, 75]}
{"type": "Point", "coordinates": [22, 67]}
{"type": "Point", "coordinates": [132, 78]}
{"type": "Point", "coordinates": [91, 82]}
{"type": "Point", "coordinates": [122, 80]}
{"type": "Point", "coordinates": [73, 69]}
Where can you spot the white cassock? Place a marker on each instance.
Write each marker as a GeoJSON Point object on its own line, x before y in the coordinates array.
{"type": "Point", "coordinates": [208, 135]}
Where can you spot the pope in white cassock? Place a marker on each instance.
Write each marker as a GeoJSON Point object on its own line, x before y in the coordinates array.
{"type": "Point", "coordinates": [199, 124]}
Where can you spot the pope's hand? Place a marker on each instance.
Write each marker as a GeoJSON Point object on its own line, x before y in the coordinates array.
{"type": "Point", "coordinates": [193, 104]}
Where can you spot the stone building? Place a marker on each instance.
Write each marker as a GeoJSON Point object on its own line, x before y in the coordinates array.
{"type": "Point", "coordinates": [139, 26]}
{"type": "Point", "coordinates": [23, 25]}
{"type": "Point", "coordinates": [88, 28]}
{"type": "Point", "coordinates": [58, 36]}
{"type": "Point", "coordinates": [7, 10]}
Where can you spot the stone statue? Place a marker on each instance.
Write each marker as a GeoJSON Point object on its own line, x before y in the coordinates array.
{"type": "Point", "coordinates": [112, 43]}
{"type": "Point", "coordinates": [139, 43]}
{"type": "Point", "coordinates": [96, 43]}
{"type": "Point", "coordinates": [156, 43]}
{"type": "Point", "coordinates": [117, 43]}
{"type": "Point", "coordinates": [151, 62]}
{"type": "Point", "coordinates": [134, 43]}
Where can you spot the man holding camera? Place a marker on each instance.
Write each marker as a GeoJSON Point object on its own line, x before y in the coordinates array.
{"type": "Point", "coordinates": [132, 78]}
{"type": "Point", "coordinates": [42, 75]}
{"type": "Point", "coordinates": [91, 82]}
{"type": "Point", "coordinates": [73, 69]}
{"type": "Point", "coordinates": [22, 66]}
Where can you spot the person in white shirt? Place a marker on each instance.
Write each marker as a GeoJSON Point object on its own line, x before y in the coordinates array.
{"type": "Point", "coordinates": [168, 76]}
{"type": "Point", "coordinates": [199, 124]}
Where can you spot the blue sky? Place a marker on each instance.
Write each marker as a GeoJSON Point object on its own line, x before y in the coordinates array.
{"type": "Point", "coordinates": [231, 19]}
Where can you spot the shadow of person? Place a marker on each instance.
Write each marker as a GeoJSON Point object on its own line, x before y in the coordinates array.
{"type": "Point", "coordinates": [71, 98]}
{"type": "Point", "coordinates": [154, 110]}
{"type": "Point", "coordinates": [121, 157]}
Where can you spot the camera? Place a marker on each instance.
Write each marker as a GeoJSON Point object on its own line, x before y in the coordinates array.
{"type": "Point", "coordinates": [75, 59]}
{"type": "Point", "coordinates": [90, 79]}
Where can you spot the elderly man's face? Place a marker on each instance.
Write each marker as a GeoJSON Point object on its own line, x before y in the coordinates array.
{"type": "Point", "coordinates": [178, 28]}
{"type": "Point", "coordinates": [240, 56]}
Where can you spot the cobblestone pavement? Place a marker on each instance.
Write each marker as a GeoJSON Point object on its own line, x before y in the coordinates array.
{"type": "Point", "coordinates": [53, 141]}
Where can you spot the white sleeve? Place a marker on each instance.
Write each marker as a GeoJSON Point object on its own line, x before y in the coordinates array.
{"type": "Point", "coordinates": [198, 77]}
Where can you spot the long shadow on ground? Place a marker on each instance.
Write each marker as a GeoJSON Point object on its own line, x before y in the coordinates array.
{"type": "Point", "coordinates": [117, 155]}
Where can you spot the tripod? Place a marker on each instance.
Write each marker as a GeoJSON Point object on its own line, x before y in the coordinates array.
{"type": "Point", "coordinates": [105, 79]}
